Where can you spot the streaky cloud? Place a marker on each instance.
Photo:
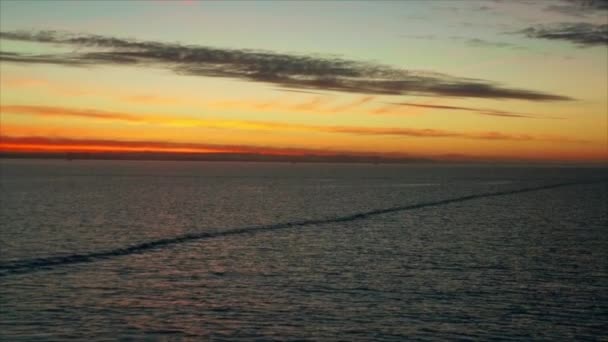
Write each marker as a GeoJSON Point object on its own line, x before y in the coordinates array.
{"type": "Point", "coordinates": [288, 71]}
{"type": "Point", "coordinates": [482, 111]}
{"type": "Point", "coordinates": [300, 91]}
{"type": "Point", "coordinates": [579, 8]}
{"type": "Point", "coordinates": [14, 57]}
{"type": "Point", "coordinates": [583, 34]}
{"type": "Point", "coordinates": [168, 120]}
{"type": "Point", "coordinates": [477, 42]}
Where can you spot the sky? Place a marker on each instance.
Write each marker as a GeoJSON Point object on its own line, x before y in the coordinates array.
{"type": "Point", "coordinates": [441, 80]}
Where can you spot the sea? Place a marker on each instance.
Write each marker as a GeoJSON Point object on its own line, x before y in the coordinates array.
{"type": "Point", "coordinates": [240, 251]}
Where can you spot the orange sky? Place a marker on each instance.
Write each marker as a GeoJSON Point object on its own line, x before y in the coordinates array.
{"type": "Point", "coordinates": [470, 92]}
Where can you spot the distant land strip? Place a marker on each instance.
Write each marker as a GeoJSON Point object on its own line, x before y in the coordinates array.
{"type": "Point", "coordinates": [49, 263]}
{"type": "Point", "coordinates": [285, 158]}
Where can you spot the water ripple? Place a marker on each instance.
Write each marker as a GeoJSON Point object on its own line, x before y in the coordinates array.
{"type": "Point", "coordinates": [47, 263]}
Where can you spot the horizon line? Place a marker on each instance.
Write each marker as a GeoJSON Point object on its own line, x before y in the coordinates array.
{"type": "Point", "coordinates": [284, 158]}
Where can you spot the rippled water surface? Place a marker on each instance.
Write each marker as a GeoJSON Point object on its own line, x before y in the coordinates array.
{"type": "Point", "coordinates": [243, 251]}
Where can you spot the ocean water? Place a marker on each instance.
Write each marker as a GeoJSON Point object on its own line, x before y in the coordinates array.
{"type": "Point", "coordinates": [145, 250]}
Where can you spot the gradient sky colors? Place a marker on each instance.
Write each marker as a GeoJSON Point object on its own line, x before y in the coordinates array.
{"type": "Point", "coordinates": [470, 80]}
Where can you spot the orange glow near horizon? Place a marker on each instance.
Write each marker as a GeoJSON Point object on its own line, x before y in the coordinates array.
{"type": "Point", "coordinates": [27, 145]}
{"type": "Point", "coordinates": [83, 96]}
{"type": "Point", "coordinates": [64, 148]}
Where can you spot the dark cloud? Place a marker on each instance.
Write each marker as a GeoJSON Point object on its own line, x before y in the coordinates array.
{"type": "Point", "coordinates": [40, 59]}
{"type": "Point", "coordinates": [478, 42]}
{"type": "Point", "coordinates": [285, 70]}
{"type": "Point", "coordinates": [579, 8]}
{"type": "Point", "coordinates": [474, 42]}
{"type": "Point", "coordinates": [485, 43]}
{"type": "Point", "coordinates": [584, 34]}
{"type": "Point", "coordinates": [482, 111]}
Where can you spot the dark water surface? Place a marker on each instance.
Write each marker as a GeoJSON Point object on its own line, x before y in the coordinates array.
{"type": "Point", "coordinates": [138, 250]}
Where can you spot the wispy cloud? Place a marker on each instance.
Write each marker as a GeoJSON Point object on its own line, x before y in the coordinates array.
{"type": "Point", "coordinates": [352, 105]}
{"type": "Point", "coordinates": [169, 120]}
{"type": "Point", "coordinates": [36, 143]}
{"type": "Point", "coordinates": [584, 34]}
{"type": "Point", "coordinates": [470, 41]}
{"type": "Point", "coordinates": [134, 118]}
{"type": "Point", "coordinates": [482, 111]}
{"type": "Point", "coordinates": [288, 71]}
{"type": "Point", "coordinates": [579, 8]}
{"type": "Point", "coordinates": [319, 104]}
{"type": "Point", "coordinates": [478, 42]}
{"type": "Point", "coordinates": [300, 91]}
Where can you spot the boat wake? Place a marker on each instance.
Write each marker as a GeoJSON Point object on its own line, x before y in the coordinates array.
{"type": "Point", "coordinates": [49, 263]}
